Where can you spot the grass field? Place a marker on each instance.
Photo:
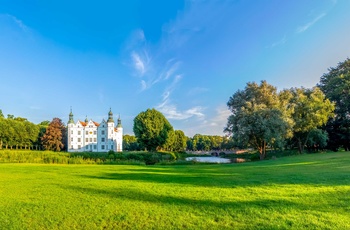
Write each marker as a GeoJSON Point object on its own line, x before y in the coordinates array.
{"type": "Point", "coordinates": [299, 192]}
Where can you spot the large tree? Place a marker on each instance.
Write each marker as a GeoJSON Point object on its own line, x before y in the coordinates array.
{"type": "Point", "coordinates": [53, 138]}
{"type": "Point", "coordinates": [311, 110]}
{"type": "Point", "coordinates": [336, 86]}
{"type": "Point", "coordinates": [258, 116]}
{"type": "Point", "coordinates": [152, 129]}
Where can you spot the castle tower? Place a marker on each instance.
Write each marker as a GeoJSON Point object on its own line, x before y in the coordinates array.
{"type": "Point", "coordinates": [119, 135]}
{"type": "Point", "coordinates": [71, 120]}
{"type": "Point", "coordinates": [110, 116]}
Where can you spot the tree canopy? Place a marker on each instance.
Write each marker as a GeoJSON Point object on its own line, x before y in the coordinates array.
{"type": "Point", "coordinates": [53, 139]}
{"type": "Point", "coordinates": [18, 132]}
{"type": "Point", "coordinates": [336, 86]}
{"type": "Point", "coordinates": [310, 110]}
{"type": "Point", "coordinates": [152, 129]}
{"type": "Point", "coordinates": [258, 116]}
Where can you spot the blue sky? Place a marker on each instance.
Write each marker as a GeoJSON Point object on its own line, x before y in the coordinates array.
{"type": "Point", "coordinates": [184, 58]}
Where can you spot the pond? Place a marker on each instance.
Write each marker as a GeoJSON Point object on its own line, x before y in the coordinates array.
{"type": "Point", "coordinates": [208, 159]}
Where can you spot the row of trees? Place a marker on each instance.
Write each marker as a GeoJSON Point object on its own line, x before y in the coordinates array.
{"type": "Point", "coordinates": [197, 143]}
{"type": "Point", "coordinates": [263, 117]}
{"type": "Point", "coordinates": [18, 132]}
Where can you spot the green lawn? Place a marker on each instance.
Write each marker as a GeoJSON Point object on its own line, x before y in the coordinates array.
{"type": "Point", "coordinates": [298, 192]}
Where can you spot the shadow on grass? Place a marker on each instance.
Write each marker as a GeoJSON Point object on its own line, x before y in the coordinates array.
{"type": "Point", "coordinates": [223, 176]}
{"type": "Point", "coordinates": [213, 208]}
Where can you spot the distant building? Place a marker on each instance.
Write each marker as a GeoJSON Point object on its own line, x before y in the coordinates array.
{"type": "Point", "coordinates": [90, 136]}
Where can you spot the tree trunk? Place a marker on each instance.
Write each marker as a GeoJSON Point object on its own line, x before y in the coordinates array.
{"type": "Point", "coordinates": [300, 146]}
{"type": "Point", "coordinates": [262, 151]}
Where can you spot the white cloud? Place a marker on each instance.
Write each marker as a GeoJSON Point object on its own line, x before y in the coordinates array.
{"type": "Point", "coordinates": [213, 125]}
{"type": "Point", "coordinates": [305, 27]}
{"type": "Point", "coordinates": [171, 111]}
{"type": "Point", "coordinates": [139, 65]}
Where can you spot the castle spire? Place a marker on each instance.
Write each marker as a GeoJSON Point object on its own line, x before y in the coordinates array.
{"type": "Point", "coordinates": [119, 125]}
{"type": "Point", "coordinates": [110, 116]}
{"type": "Point", "coordinates": [71, 120]}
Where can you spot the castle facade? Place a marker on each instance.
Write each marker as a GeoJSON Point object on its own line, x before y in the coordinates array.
{"type": "Point", "coordinates": [90, 136]}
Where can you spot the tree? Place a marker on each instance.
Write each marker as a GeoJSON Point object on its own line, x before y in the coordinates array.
{"type": "Point", "coordinates": [169, 144]}
{"type": "Point", "coordinates": [317, 140]}
{"type": "Point", "coordinates": [311, 109]}
{"type": "Point", "coordinates": [1, 114]}
{"type": "Point", "coordinates": [42, 130]}
{"type": "Point", "coordinates": [151, 129]}
{"type": "Point", "coordinates": [180, 141]}
{"type": "Point", "coordinates": [258, 116]}
{"type": "Point", "coordinates": [53, 137]}
{"type": "Point", "coordinates": [130, 143]}
{"type": "Point", "coordinates": [336, 86]}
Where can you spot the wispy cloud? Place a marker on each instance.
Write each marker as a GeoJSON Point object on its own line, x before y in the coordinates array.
{"type": "Point", "coordinates": [143, 85]}
{"type": "Point", "coordinates": [18, 22]}
{"type": "Point", "coordinates": [171, 66]}
{"type": "Point", "coordinates": [138, 63]}
{"type": "Point", "coordinates": [305, 27]}
{"type": "Point", "coordinates": [279, 42]}
{"type": "Point", "coordinates": [171, 111]}
{"type": "Point", "coordinates": [212, 125]}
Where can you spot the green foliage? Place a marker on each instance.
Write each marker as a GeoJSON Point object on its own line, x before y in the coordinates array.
{"type": "Point", "coordinates": [130, 143]}
{"type": "Point", "coordinates": [311, 109]}
{"type": "Point", "coordinates": [299, 192]}
{"type": "Point", "coordinates": [140, 157]}
{"type": "Point", "coordinates": [317, 140]}
{"type": "Point", "coordinates": [180, 141]}
{"type": "Point", "coordinates": [258, 117]}
{"type": "Point", "coordinates": [151, 129]}
{"type": "Point", "coordinates": [17, 132]}
{"type": "Point", "coordinates": [336, 86]}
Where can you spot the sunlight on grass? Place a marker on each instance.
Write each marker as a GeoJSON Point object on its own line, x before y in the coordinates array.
{"type": "Point", "coordinates": [257, 195]}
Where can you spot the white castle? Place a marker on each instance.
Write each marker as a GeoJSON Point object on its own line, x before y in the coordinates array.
{"type": "Point", "coordinates": [90, 136]}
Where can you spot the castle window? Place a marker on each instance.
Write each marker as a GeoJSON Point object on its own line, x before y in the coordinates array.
{"type": "Point", "coordinates": [71, 139]}
{"type": "Point", "coordinates": [111, 146]}
{"type": "Point", "coordinates": [90, 139]}
{"type": "Point", "coordinates": [95, 140]}
{"type": "Point", "coordinates": [86, 132]}
{"type": "Point", "coordinates": [71, 146]}
{"type": "Point", "coordinates": [79, 133]}
{"type": "Point", "coordinates": [87, 140]}
{"type": "Point", "coordinates": [79, 146]}
{"type": "Point", "coordinates": [71, 132]}
{"type": "Point", "coordinates": [103, 132]}
{"type": "Point", "coordinates": [87, 147]}
{"type": "Point", "coordinates": [102, 139]}
{"type": "Point", "coordinates": [94, 132]}
{"type": "Point", "coordinates": [102, 147]}
{"type": "Point", "coordinates": [94, 146]}
{"type": "Point", "coordinates": [79, 140]}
